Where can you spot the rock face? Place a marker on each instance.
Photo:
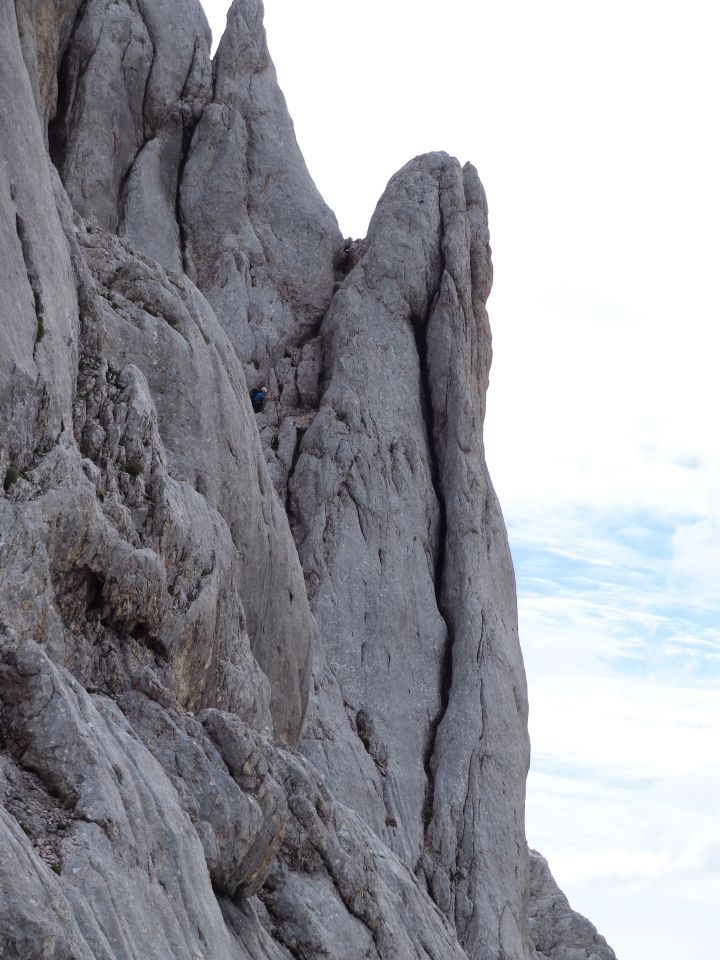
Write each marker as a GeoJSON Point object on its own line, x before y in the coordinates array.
{"type": "Point", "coordinates": [261, 691]}
{"type": "Point", "coordinates": [557, 932]}
{"type": "Point", "coordinates": [406, 560]}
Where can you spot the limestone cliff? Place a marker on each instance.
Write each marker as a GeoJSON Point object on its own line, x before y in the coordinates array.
{"type": "Point", "coordinates": [261, 691]}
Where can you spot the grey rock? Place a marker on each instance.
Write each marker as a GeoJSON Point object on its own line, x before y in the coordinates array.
{"type": "Point", "coordinates": [260, 242]}
{"type": "Point", "coordinates": [197, 171]}
{"type": "Point", "coordinates": [407, 563]}
{"type": "Point", "coordinates": [295, 234]}
{"type": "Point", "coordinates": [131, 867]}
{"type": "Point", "coordinates": [36, 919]}
{"type": "Point", "coordinates": [134, 81]}
{"type": "Point", "coordinates": [558, 932]}
{"type": "Point", "coordinates": [99, 127]}
{"type": "Point", "coordinates": [38, 303]}
{"type": "Point", "coordinates": [239, 816]}
{"type": "Point", "coordinates": [148, 67]}
{"type": "Point", "coordinates": [116, 565]}
{"type": "Point", "coordinates": [337, 891]}
{"type": "Point", "coordinates": [44, 29]}
{"type": "Point", "coordinates": [161, 324]}
{"type": "Point", "coordinates": [249, 928]}
{"type": "Point", "coordinates": [245, 756]}
{"type": "Point", "coordinates": [168, 558]}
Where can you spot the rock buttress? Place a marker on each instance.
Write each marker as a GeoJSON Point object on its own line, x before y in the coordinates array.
{"type": "Point", "coordinates": [420, 714]}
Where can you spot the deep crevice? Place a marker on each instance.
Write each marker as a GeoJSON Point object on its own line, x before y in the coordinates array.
{"type": "Point", "coordinates": [291, 472]}
{"type": "Point", "coordinates": [419, 327]}
{"type": "Point", "coordinates": [148, 79]}
{"type": "Point", "coordinates": [33, 278]}
{"type": "Point", "coordinates": [346, 260]}
{"type": "Point", "coordinates": [93, 592]}
{"type": "Point", "coordinates": [57, 127]}
{"type": "Point", "coordinates": [187, 136]}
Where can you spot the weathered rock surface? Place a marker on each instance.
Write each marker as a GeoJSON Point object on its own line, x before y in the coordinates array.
{"type": "Point", "coordinates": [44, 28]}
{"type": "Point", "coordinates": [133, 82]}
{"type": "Point", "coordinates": [407, 563]}
{"type": "Point", "coordinates": [38, 300]}
{"type": "Point", "coordinates": [260, 241]}
{"type": "Point", "coordinates": [558, 932]}
{"type": "Point", "coordinates": [168, 559]}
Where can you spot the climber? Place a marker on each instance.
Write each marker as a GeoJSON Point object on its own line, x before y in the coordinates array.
{"type": "Point", "coordinates": [257, 398]}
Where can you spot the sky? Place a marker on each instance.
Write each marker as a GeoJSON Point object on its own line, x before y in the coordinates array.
{"type": "Point", "coordinates": [594, 129]}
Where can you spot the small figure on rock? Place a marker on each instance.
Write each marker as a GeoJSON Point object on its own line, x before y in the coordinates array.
{"type": "Point", "coordinates": [257, 398]}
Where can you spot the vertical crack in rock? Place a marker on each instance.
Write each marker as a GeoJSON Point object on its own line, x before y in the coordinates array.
{"type": "Point", "coordinates": [145, 135]}
{"type": "Point", "coordinates": [57, 127]}
{"type": "Point", "coordinates": [371, 518]}
{"type": "Point", "coordinates": [33, 279]}
{"type": "Point", "coordinates": [145, 109]}
{"type": "Point", "coordinates": [187, 135]}
{"type": "Point", "coordinates": [419, 326]}
{"type": "Point", "coordinates": [291, 473]}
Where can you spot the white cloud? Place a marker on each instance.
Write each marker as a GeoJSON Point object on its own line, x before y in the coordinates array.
{"type": "Point", "coordinates": [641, 861]}
{"type": "Point", "coordinates": [625, 776]}
{"type": "Point", "coordinates": [696, 556]}
{"type": "Point", "coordinates": [623, 727]}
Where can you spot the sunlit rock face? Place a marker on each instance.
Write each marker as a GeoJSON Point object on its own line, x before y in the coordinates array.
{"type": "Point", "coordinates": [261, 691]}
